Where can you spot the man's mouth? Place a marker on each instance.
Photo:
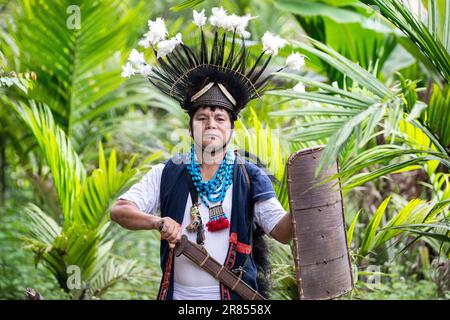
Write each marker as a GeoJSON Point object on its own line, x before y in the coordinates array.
{"type": "Point", "coordinates": [210, 135]}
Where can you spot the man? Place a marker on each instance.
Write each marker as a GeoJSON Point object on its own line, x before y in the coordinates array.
{"type": "Point", "coordinates": [231, 195]}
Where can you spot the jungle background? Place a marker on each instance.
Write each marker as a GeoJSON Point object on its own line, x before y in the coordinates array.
{"type": "Point", "coordinates": [74, 135]}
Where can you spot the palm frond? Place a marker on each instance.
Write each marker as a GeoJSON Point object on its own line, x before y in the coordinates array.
{"type": "Point", "coordinates": [81, 241]}
{"type": "Point", "coordinates": [351, 229]}
{"type": "Point", "coordinates": [358, 110]}
{"type": "Point", "coordinates": [283, 276]}
{"type": "Point", "coordinates": [432, 39]}
{"type": "Point", "coordinates": [437, 116]}
{"type": "Point", "coordinates": [67, 170]}
{"type": "Point", "coordinates": [42, 227]}
{"type": "Point", "coordinates": [78, 67]}
{"type": "Point", "coordinates": [369, 235]}
{"type": "Point", "coordinates": [117, 270]}
{"type": "Point", "coordinates": [414, 215]}
{"type": "Point", "coordinates": [102, 187]}
{"type": "Point", "coordinates": [267, 145]}
{"type": "Point", "coordinates": [186, 4]}
{"type": "Point", "coordinates": [415, 148]}
{"type": "Point", "coordinates": [344, 65]}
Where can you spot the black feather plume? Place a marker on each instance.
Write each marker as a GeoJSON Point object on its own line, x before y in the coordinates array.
{"type": "Point", "coordinates": [185, 71]}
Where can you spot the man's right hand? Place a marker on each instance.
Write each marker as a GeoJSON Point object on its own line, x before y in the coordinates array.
{"type": "Point", "coordinates": [127, 214]}
{"type": "Point", "coordinates": [170, 230]}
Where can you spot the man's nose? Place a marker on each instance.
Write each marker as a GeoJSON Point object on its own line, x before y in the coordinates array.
{"type": "Point", "coordinates": [211, 123]}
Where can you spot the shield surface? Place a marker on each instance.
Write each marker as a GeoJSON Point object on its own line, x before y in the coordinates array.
{"type": "Point", "coordinates": [322, 260]}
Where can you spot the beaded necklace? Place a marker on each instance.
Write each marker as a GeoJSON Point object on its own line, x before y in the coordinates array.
{"type": "Point", "coordinates": [213, 190]}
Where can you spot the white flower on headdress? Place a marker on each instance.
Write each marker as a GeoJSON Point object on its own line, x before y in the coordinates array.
{"type": "Point", "coordinates": [144, 42]}
{"type": "Point", "coordinates": [272, 43]}
{"type": "Point", "coordinates": [245, 34]}
{"type": "Point", "coordinates": [157, 32]}
{"type": "Point", "coordinates": [295, 61]}
{"type": "Point", "coordinates": [199, 18]}
{"type": "Point", "coordinates": [128, 70]}
{"type": "Point", "coordinates": [145, 69]}
{"type": "Point", "coordinates": [299, 87]}
{"type": "Point", "coordinates": [239, 24]}
{"type": "Point", "coordinates": [136, 58]}
{"type": "Point", "coordinates": [177, 38]}
{"type": "Point", "coordinates": [219, 18]}
{"type": "Point", "coordinates": [167, 46]}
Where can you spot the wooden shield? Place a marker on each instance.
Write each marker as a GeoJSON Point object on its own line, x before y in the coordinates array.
{"type": "Point", "coordinates": [322, 260]}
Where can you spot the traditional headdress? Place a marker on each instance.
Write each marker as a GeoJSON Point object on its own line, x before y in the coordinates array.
{"type": "Point", "coordinates": [219, 76]}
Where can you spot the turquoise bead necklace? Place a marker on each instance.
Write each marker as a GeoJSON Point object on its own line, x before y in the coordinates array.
{"type": "Point", "coordinates": [213, 190]}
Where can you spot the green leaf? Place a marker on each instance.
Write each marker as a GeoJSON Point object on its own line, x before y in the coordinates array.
{"type": "Point", "coordinates": [312, 8]}
{"type": "Point", "coordinates": [370, 232]}
{"type": "Point", "coordinates": [344, 65]}
{"type": "Point", "coordinates": [186, 4]}
{"type": "Point", "coordinates": [102, 187]}
{"type": "Point", "coordinates": [352, 228]}
{"type": "Point", "coordinates": [66, 168]}
{"type": "Point", "coordinates": [424, 37]}
{"type": "Point", "coordinates": [78, 69]}
{"type": "Point", "coordinates": [42, 228]}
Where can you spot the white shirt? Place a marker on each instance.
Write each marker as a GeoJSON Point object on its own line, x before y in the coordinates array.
{"type": "Point", "coordinates": [190, 281]}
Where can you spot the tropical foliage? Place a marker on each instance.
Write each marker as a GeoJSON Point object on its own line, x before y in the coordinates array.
{"type": "Point", "coordinates": [75, 135]}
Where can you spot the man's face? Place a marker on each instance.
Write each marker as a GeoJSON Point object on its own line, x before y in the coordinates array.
{"type": "Point", "coordinates": [211, 126]}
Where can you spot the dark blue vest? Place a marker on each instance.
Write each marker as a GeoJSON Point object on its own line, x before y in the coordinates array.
{"type": "Point", "coordinates": [173, 197]}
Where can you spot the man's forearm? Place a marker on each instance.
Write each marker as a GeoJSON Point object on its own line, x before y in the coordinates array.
{"type": "Point", "coordinates": [130, 217]}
